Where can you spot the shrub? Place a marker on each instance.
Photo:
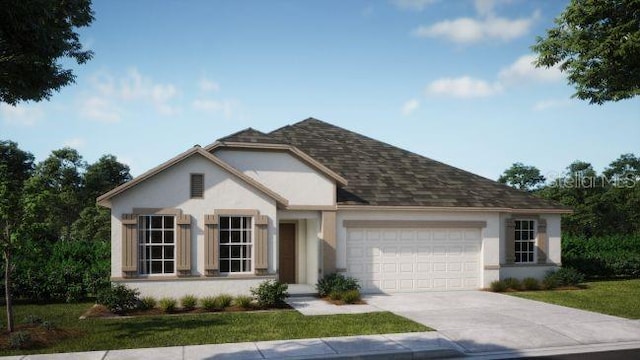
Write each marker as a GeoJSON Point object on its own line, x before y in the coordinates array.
{"type": "Point", "coordinates": [223, 300]}
{"type": "Point", "coordinates": [603, 256]}
{"type": "Point", "coordinates": [32, 320]}
{"type": "Point", "coordinates": [512, 283]}
{"type": "Point", "coordinates": [189, 302]}
{"type": "Point", "coordinates": [19, 340]}
{"type": "Point", "coordinates": [47, 325]}
{"type": "Point", "coordinates": [550, 281]}
{"type": "Point", "coordinates": [147, 303]}
{"type": "Point", "coordinates": [336, 282]}
{"type": "Point", "coordinates": [351, 296]}
{"type": "Point", "coordinates": [208, 303]}
{"type": "Point", "coordinates": [270, 293]}
{"type": "Point", "coordinates": [168, 305]}
{"type": "Point", "coordinates": [243, 301]}
{"type": "Point", "coordinates": [498, 286]}
{"type": "Point", "coordinates": [530, 283]}
{"type": "Point", "coordinates": [567, 276]}
{"type": "Point", "coordinates": [335, 295]}
{"type": "Point", "coordinates": [118, 298]}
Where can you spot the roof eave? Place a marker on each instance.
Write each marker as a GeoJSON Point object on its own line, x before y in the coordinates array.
{"type": "Point", "coordinates": [560, 211]}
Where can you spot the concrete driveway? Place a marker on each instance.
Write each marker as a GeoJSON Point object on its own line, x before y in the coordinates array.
{"type": "Point", "coordinates": [480, 321]}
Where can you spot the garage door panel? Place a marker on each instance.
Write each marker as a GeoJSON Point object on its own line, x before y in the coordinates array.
{"type": "Point", "coordinates": [404, 260]}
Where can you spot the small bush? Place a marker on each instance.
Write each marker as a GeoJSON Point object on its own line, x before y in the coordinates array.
{"type": "Point", "coordinates": [530, 283]}
{"type": "Point", "coordinates": [147, 303]}
{"type": "Point", "coordinates": [119, 299]}
{"type": "Point", "coordinates": [567, 276]}
{"type": "Point", "coordinates": [47, 325]}
{"type": "Point", "coordinates": [498, 286]}
{"type": "Point", "coordinates": [223, 301]}
{"type": "Point", "coordinates": [19, 340]}
{"type": "Point", "coordinates": [189, 302]}
{"type": "Point", "coordinates": [512, 283]}
{"type": "Point", "coordinates": [336, 282]}
{"type": "Point", "coordinates": [270, 293]}
{"type": "Point", "coordinates": [243, 301]}
{"type": "Point", "coordinates": [32, 320]}
{"type": "Point", "coordinates": [168, 305]}
{"type": "Point", "coordinates": [208, 303]}
{"type": "Point", "coordinates": [351, 296]}
{"type": "Point", "coordinates": [550, 281]}
{"type": "Point", "coordinates": [335, 295]}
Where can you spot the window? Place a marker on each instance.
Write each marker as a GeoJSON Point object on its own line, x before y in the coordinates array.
{"type": "Point", "coordinates": [156, 239]}
{"type": "Point", "coordinates": [235, 244]}
{"type": "Point", "coordinates": [525, 241]}
{"type": "Point", "coordinates": [197, 186]}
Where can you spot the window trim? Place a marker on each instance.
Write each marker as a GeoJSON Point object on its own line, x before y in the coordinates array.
{"type": "Point", "coordinates": [142, 246]}
{"type": "Point", "coordinates": [252, 244]}
{"type": "Point", "coordinates": [534, 227]}
{"type": "Point", "coordinates": [191, 177]}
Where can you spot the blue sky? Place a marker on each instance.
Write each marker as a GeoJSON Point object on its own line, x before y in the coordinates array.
{"type": "Point", "coordinates": [450, 80]}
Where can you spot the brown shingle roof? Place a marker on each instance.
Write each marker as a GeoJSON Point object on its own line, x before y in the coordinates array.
{"type": "Point", "coordinates": [384, 175]}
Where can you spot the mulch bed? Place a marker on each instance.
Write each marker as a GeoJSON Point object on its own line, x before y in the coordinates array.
{"type": "Point", "coordinates": [38, 336]}
{"type": "Point", "coordinates": [340, 302]}
{"type": "Point", "coordinates": [100, 311]}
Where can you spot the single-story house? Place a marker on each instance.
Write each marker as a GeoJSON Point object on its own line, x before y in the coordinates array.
{"type": "Point", "coordinates": [311, 199]}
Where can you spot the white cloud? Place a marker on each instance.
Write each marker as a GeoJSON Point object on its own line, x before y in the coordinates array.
{"type": "Point", "coordinates": [550, 103]}
{"type": "Point", "coordinates": [410, 106]}
{"type": "Point", "coordinates": [21, 114]}
{"type": "Point", "coordinates": [462, 87]}
{"type": "Point", "coordinates": [468, 30]}
{"type": "Point", "coordinates": [414, 5]}
{"type": "Point", "coordinates": [212, 106]}
{"type": "Point", "coordinates": [110, 94]}
{"type": "Point", "coordinates": [99, 108]}
{"type": "Point", "coordinates": [523, 70]}
{"type": "Point", "coordinates": [207, 85]}
{"type": "Point", "coordinates": [75, 143]}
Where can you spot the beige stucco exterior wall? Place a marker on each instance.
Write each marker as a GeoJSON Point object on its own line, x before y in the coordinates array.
{"type": "Point", "coordinates": [284, 174]}
{"type": "Point", "coordinates": [170, 189]}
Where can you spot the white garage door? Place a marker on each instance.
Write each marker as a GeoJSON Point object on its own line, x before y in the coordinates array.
{"type": "Point", "coordinates": [405, 260]}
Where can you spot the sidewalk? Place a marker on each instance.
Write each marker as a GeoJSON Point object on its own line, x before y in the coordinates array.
{"type": "Point", "coordinates": [422, 345]}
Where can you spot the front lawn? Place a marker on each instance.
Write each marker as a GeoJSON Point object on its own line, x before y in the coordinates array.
{"type": "Point", "coordinates": [618, 298]}
{"type": "Point", "coordinates": [193, 329]}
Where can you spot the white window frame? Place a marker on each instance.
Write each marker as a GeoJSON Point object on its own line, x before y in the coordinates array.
{"type": "Point", "coordinates": [143, 260]}
{"type": "Point", "coordinates": [531, 235]}
{"type": "Point", "coordinates": [251, 244]}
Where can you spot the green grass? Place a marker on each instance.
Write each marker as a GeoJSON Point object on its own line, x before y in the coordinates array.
{"type": "Point", "coordinates": [193, 329]}
{"type": "Point", "coordinates": [618, 298]}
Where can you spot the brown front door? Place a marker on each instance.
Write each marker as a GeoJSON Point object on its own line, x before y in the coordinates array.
{"type": "Point", "coordinates": [287, 246]}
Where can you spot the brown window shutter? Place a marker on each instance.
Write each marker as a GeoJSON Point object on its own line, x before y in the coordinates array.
{"type": "Point", "coordinates": [261, 247]}
{"type": "Point", "coordinates": [183, 245]}
{"type": "Point", "coordinates": [543, 243]}
{"type": "Point", "coordinates": [211, 243]}
{"type": "Point", "coordinates": [197, 186]}
{"type": "Point", "coordinates": [510, 241]}
{"type": "Point", "coordinates": [129, 245]}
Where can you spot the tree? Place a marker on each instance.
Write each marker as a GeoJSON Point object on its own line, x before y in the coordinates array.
{"type": "Point", "coordinates": [15, 168]}
{"type": "Point", "coordinates": [597, 42]}
{"type": "Point", "coordinates": [104, 175]}
{"type": "Point", "coordinates": [54, 194]}
{"type": "Point", "coordinates": [34, 36]}
{"type": "Point", "coordinates": [522, 177]}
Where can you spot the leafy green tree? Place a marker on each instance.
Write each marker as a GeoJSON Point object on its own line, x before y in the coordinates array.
{"type": "Point", "coordinates": [94, 225]}
{"type": "Point", "coordinates": [104, 175]}
{"type": "Point", "coordinates": [16, 167]}
{"type": "Point", "coordinates": [35, 36]}
{"type": "Point", "coordinates": [522, 177]}
{"type": "Point", "coordinates": [597, 43]}
{"type": "Point", "coordinates": [54, 194]}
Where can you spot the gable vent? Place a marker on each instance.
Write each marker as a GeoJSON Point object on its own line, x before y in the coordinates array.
{"type": "Point", "coordinates": [197, 186]}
